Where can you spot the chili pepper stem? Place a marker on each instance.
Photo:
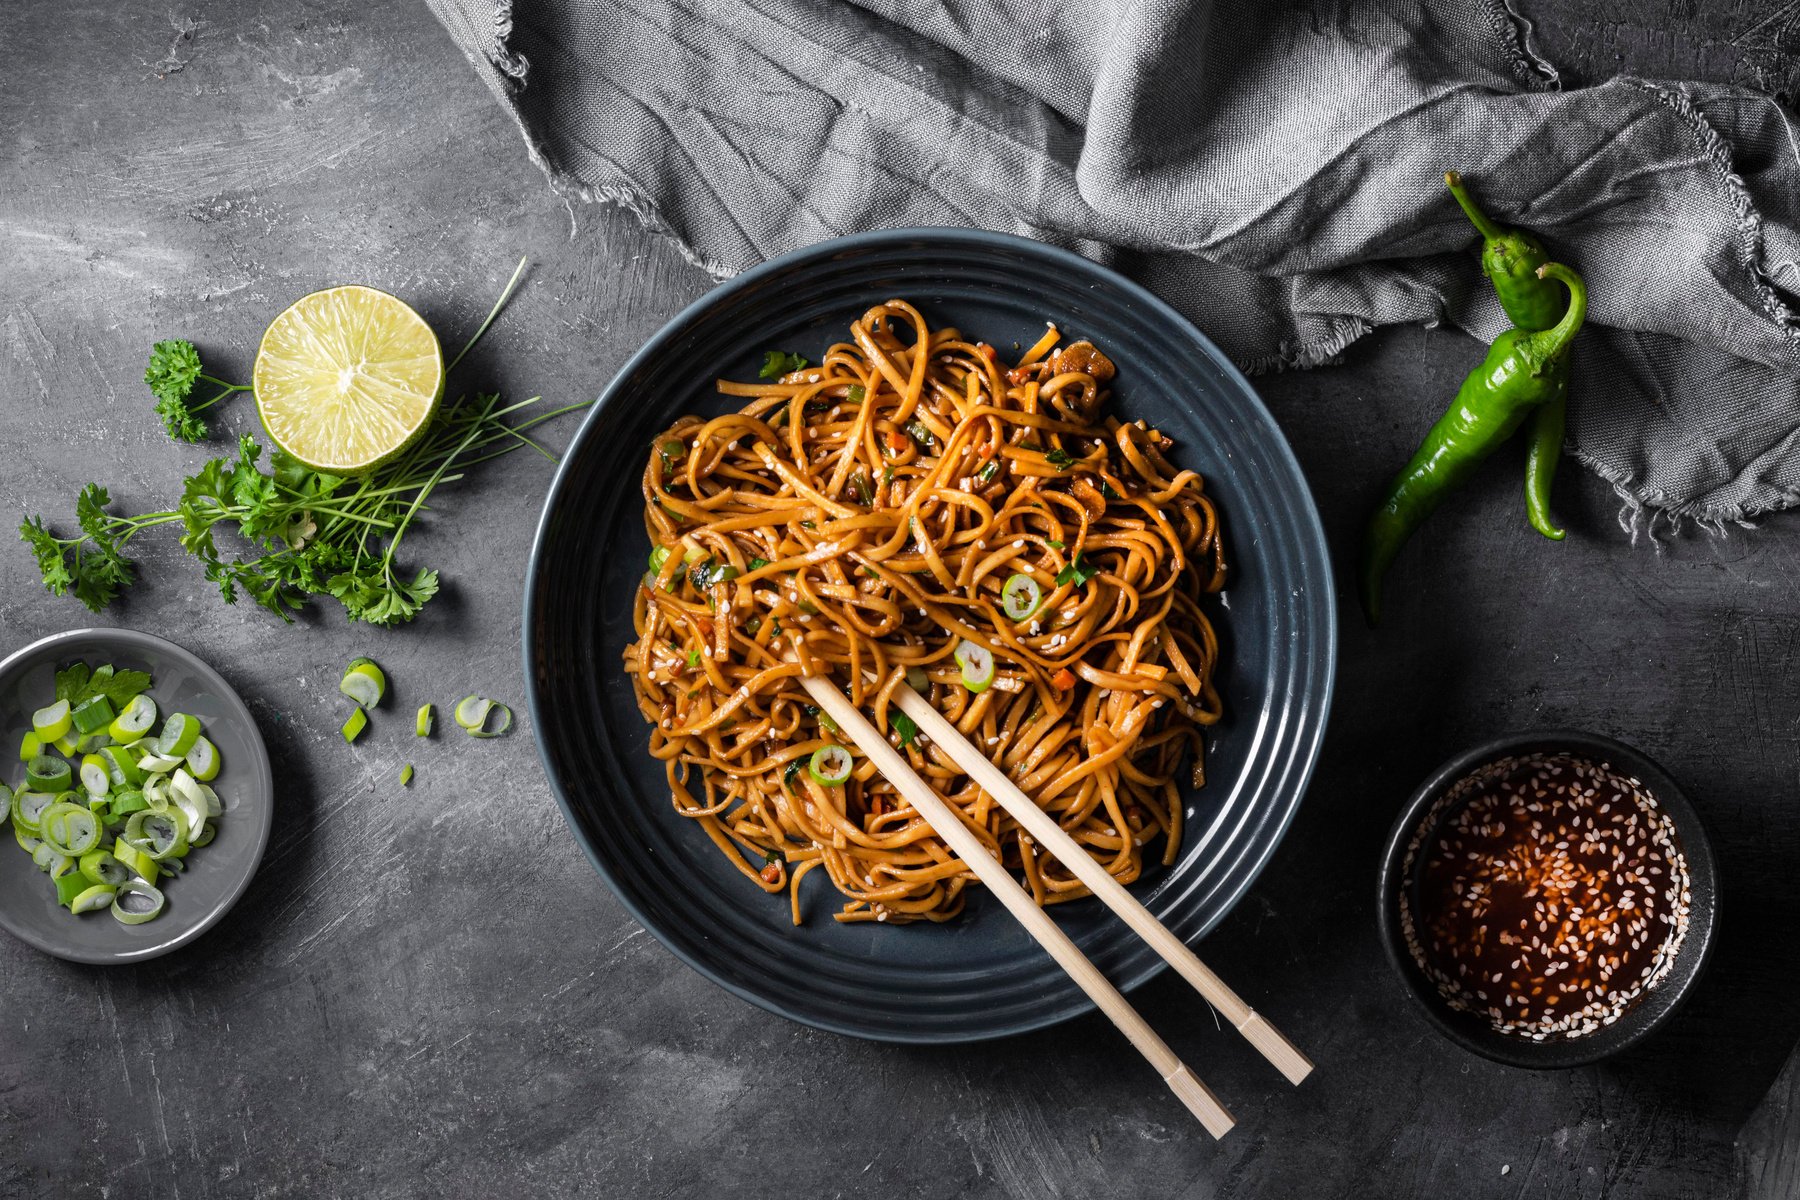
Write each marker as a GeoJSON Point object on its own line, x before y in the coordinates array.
{"type": "Point", "coordinates": [1479, 219]}
{"type": "Point", "coordinates": [1554, 340]}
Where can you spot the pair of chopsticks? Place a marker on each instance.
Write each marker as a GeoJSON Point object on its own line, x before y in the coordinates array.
{"type": "Point", "coordinates": [949, 825]}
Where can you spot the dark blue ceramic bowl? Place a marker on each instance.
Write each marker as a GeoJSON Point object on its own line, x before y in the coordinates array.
{"type": "Point", "coordinates": [980, 976]}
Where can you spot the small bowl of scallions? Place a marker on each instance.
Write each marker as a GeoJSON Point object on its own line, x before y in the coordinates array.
{"type": "Point", "coordinates": [138, 795]}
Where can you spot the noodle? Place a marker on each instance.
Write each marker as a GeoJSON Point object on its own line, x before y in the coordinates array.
{"type": "Point", "coordinates": [862, 518]}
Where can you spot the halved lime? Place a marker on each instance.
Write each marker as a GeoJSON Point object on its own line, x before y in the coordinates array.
{"type": "Point", "coordinates": [346, 378]}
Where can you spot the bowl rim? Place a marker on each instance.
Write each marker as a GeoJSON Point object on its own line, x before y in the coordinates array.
{"type": "Point", "coordinates": [1313, 546]}
{"type": "Point", "coordinates": [138, 639]}
{"type": "Point", "coordinates": [1697, 849]}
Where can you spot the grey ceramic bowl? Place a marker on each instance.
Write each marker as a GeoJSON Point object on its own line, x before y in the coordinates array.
{"type": "Point", "coordinates": [217, 874]}
{"type": "Point", "coordinates": [1654, 1008]}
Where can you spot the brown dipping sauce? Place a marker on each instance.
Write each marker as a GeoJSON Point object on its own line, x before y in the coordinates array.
{"type": "Point", "coordinates": [1552, 895]}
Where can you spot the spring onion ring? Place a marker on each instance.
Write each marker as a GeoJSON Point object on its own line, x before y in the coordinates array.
{"type": "Point", "coordinates": [52, 721]}
{"type": "Point", "coordinates": [30, 746]}
{"type": "Point", "coordinates": [1021, 597]}
{"type": "Point", "coordinates": [28, 808]}
{"type": "Point", "coordinates": [203, 760]}
{"type": "Point", "coordinates": [69, 828]}
{"type": "Point", "coordinates": [473, 713]}
{"type": "Point", "coordinates": [162, 836]}
{"type": "Point", "coordinates": [135, 721]}
{"type": "Point", "coordinates": [46, 773]}
{"type": "Point", "coordinates": [422, 725]}
{"type": "Point", "coordinates": [406, 775]}
{"type": "Point", "coordinates": [102, 866]}
{"type": "Point", "coordinates": [136, 903]}
{"type": "Point", "coordinates": [977, 663]}
{"type": "Point", "coordinates": [95, 778]}
{"type": "Point", "coordinates": [92, 715]}
{"type": "Point", "coordinates": [179, 733]}
{"type": "Point", "coordinates": [831, 764]}
{"type": "Point", "coordinates": [363, 682]}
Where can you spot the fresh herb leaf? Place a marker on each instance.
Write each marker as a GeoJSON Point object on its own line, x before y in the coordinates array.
{"type": "Point", "coordinates": [757, 564]}
{"type": "Point", "coordinates": [1077, 572]}
{"type": "Point", "coordinates": [1054, 544]}
{"type": "Point", "coordinates": [787, 775]}
{"type": "Point", "coordinates": [1107, 490]}
{"type": "Point", "coordinates": [71, 682]}
{"type": "Point", "coordinates": [173, 371]}
{"type": "Point", "coordinates": [118, 687]}
{"type": "Point", "coordinates": [1059, 458]}
{"type": "Point", "coordinates": [777, 363]}
{"type": "Point", "coordinates": [905, 726]}
{"type": "Point", "coordinates": [671, 452]}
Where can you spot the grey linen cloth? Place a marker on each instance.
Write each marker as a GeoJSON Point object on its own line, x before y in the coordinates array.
{"type": "Point", "coordinates": [1273, 170]}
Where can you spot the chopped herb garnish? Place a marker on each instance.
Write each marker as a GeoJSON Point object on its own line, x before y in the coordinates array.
{"type": "Point", "coordinates": [1107, 490]}
{"type": "Point", "coordinates": [1077, 572]}
{"type": "Point", "coordinates": [1054, 544]}
{"type": "Point", "coordinates": [770, 857]}
{"type": "Point", "coordinates": [823, 717]}
{"type": "Point", "coordinates": [859, 483]}
{"type": "Point", "coordinates": [887, 476]}
{"type": "Point", "coordinates": [757, 564]}
{"type": "Point", "coordinates": [808, 525]}
{"type": "Point", "coordinates": [917, 431]}
{"type": "Point", "coordinates": [987, 473]}
{"type": "Point", "coordinates": [793, 769]}
{"type": "Point", "coordinates": [905, 727]}
{"type": "Point", "coordinates": [856, 393]}
{"type": "Point", "coordinates": [777, 363]}
{"type": "Point", "coordinates": [693, 657]}
{"type": "Point", "coordinates": [671, 452]}
{"type": "Point", "coordinates": [1059, 458]}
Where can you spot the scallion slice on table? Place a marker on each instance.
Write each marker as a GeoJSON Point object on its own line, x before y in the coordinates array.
{"type": "Point", "coordinates": [136, 903]}
{"type": "Point", "coordinates": [135, 720]}
{"type": "Point", "coordinates": [363, 682]}
{"type": "Point", "coordinates": [422, 725]}
{"type": "Point", "coordinates": [52, 721]}
{"type": "Point", "coordinates": [46, 773]}
{"type": "Point", "coordinates": [354, 724]}
{"type": "Point", "coordinates": [406, 775]}
{"type": "Point", "coordinates": [474, 712]}
{"type": "Point", "coordinates": [977, 663]}
{"type": "Point", "coordinates": [831, 764]}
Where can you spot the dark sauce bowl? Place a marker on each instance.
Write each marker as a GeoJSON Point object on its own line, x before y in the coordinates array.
{"type": "Point", "coordinates": [1645, 1015]}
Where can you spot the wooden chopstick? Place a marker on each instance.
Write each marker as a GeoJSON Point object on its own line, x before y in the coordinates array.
{"type": "Point", "coordinates": [1052, 837]}
{"type": "Point", "coordinates": [949, 825]}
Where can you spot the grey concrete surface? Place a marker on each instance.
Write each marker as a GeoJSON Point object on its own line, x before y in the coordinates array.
{"type": "Point", "coordinates": [429, 992]}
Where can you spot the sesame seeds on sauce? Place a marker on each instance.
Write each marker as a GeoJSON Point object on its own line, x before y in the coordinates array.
{"type": "Point", "coordinates": [1554, 893]}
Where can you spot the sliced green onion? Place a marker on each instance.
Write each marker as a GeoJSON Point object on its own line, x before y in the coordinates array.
{"type": "Point", "coordinates": [30, 746]}
{"type": "Point", "coordinates": [354, 724]}
{"type": "Point", "coordinates": [917, 679]}
{"type": "Point", "coordinates": [47, 859]}
{"type": "Point", "coordinates": [831, 764]}
{"type": "Point", "coordinates": [69, 828]}
{"type": "Point", "coordinates": [185, 793]}
{"type": "Point", "coordinates": [101, 867]}
{"type": "Point", "coordinates": [472, 713]}
{"type": "Point", "coordinates": [153, 764]}
{"type": "Point", "coordinates": [94, 775]}
{"type": "Point", "coordinates": [135, 721]}
{"type": "Point", "coordinates": [137, 862]}
{"type": "Point", "coordinates": [977, 663]}
{"type": "Point", "coordinates": [136, 903]}
{"type": "Point", "coordinates": [207, 832]}
{"type": "Point", "coordinates": [1021, 597]}
{"type": "Point", "coordinates": [422, 726]}
{"type": "Point", "coordinates": [27, 842]}
{"type": "Point", "coordinates": [47, 774]}
{"type": "Point", "coordinates": [122, 765]}
{"type": "Point", "coordinates": [92, 715]}
{"type": "Point", "coordinates": [212, 804]}
{"type": "Point", "coordinates": [66, 744]}
{"type": "Point", "coordinates": [28, 808]}
{"type": "Point", "coordinates": [96, 896]}
{"type": "Point", "coordinates": [406, 775]}
{"type": "Point", "coordinates": [160, 835]}
{"type": "Point", "coordinates": [179, 733]}
{"type": "Point", "coordinates": [70, 885]}
{"type": "Point", "coordinates": [203, 760]}
{"type": "Point", "coordinates": [658, 556]}
{"type": "Point", "coordinates": [52, 722]}
{"type": "Point", "coordinates": [90, 742]}
{"type": "Point", "coordinates": [127, 802]}
{"type": "Point", "coordinates": [363, 682]}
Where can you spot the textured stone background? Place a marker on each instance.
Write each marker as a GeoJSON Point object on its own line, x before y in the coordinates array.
{"type": "Point", "coordinates": [430, 992]}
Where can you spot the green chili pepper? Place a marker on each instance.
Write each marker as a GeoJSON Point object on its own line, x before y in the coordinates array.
{"type": "Point", "coordinates": [1524, 369]}
{"type": "Point", "coordinates": [1512, 258]}
{"type": "Point", "coordinates": [1541, 459]}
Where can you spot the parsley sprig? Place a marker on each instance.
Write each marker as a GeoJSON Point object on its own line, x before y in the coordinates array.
{"type": "Point", "coordinates": [173, 373]}
{"type": "Point", "coordinates": [308, 533]}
